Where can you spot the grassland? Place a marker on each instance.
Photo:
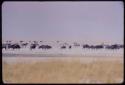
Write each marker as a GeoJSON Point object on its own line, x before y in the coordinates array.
{"type": "Point", "coordinates": [64, 71]}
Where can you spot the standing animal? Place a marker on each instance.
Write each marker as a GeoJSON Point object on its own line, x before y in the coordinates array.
{"type": "Point", "coordinates": [70, 47]}
{"type": "Point", "coordinates": [121, 46]}
{"type": "Point", "coordinates": [15, 46]}
{"type": "Point", "coordinates": [45, 47]}
{"type": "Point", "coordinates": [32, 46]}
{"type": "Point", "coordinates": [86, 46]}
{"type": "Point", "coordinates": [115, 46]}
{"type": "Point", "coordinates": [98, 46]}
{"type": "Point", "coordinates": [63, 47]}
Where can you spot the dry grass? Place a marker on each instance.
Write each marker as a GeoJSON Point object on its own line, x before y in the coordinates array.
{"type": "Point", "coordinates": [57, 71]}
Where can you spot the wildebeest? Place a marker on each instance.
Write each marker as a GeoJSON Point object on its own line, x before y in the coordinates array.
{"type": "Point", "coordinates": [32, 46]}
{"type": "Point", "coordinates": [63, 47]}
{"type": "Point", "coordinates": [70, 47]}
{"type": "Point", "coordinates": [14, 46]}
{"type": "Point", "coordinates": [121, 46]}
{"type": "Point", "coordinates": [45, 47]}
{"type": "Point", "coordinates": [93, 46]}
{"type": "Point", "coordinates": [86, 46]}
{"type": "Point", "coordinates": [115, 46]}
{"type": "Point", "coordinates": [98, 46]}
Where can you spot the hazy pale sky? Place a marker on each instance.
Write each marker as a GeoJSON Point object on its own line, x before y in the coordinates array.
{"type": "Point", "coordinates": [71, 21]}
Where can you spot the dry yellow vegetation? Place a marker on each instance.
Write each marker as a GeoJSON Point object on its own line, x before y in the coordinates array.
{"type": "Point", "coordinates": [57, 71]}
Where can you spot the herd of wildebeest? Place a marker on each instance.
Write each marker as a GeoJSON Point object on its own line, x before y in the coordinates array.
{"type": "Point", "coordinates": [34, 44]}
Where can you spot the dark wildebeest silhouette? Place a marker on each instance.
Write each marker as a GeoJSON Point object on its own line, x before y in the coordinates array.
{"type": "Point", "coordinates": [93, 46]}
{"type": "Point", "coordinates": [86, 46]}
{"type": "Point", "coordinates": [42, 46]}
{"type": "Point", "coordinates": [63, 47]}
{"type": "Point", "coordinates": [121, 46]}
{"type": "Point", "coordinates": [70, 47]}
{"type": "Point", "coordinates": [14, 46]}
{"type": "Point", "coordinates": [115, 46]}
{"type": "Point", "coordinates": [45, 47]}
{"type": "Point", "coordinates": [33, 46]}
{"type": "Point", "coordinates": [98, 46]}
{"type": "Point", "coordinates": [48, 47]}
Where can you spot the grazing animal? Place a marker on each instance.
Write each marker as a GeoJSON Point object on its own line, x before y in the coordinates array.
{"type": "Point", "coordinates": [15, 46]}
{"type": "Point", "coordinates": [121, 46]}
{"type": "Point", "coordinates": [33, 46]}
{"type": "Point", "coordinates": [42, 46]}
{"type": "Point", "coordinates": [93, 47]}
{"type": "Point", "coordinates": [63, 47]}
{"type": "Point", "coordinates": [45, 47]}
{"type": "Point", "coordinates": [70, 47]}
{"type": "Point", "coordinates": [86, 46]}
{"type": "Point", "coordinates": [115, 46]}
{"type": "Point", "coordinates": [98, 46]}
{"type": "Point", "coordinates": [48, 47]}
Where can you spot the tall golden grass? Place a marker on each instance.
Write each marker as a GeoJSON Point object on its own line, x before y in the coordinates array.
{"type": "Point", "coordinates": [58, 71]}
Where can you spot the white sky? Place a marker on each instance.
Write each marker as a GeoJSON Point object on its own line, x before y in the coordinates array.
{"type": "Point", "coordinates": [65, 21]}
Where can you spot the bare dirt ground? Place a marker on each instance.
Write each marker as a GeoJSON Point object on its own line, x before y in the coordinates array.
{"type": "Point", "coordinates": [69, 69]}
